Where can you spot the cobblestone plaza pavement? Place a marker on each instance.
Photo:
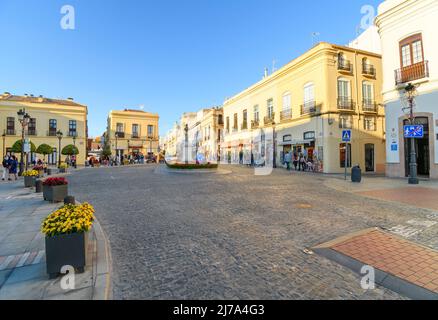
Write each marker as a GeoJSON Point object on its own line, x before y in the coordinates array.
{"type": "Point", "coordinates": [237, 235]}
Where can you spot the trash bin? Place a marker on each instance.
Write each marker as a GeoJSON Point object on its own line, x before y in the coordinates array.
{"type": "Point", "coordinates": [356, 174]}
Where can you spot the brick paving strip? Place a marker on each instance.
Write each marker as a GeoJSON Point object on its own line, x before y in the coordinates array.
{"type": "Point", "coordinates": [400, 265]}
{"type": "Point", "coordinates": [22, 255]}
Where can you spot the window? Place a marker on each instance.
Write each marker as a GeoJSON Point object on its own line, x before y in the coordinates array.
{"type": "Point", "coordinates": [135, 131]}
{"type": "Point", "coordinates": [411, 50]}
{"type": "Point", "coordinates": [309, 94]}
{"type": "Point", "coordinates": [227, 126]}
{"type": "Point", "coordinates": [72, 128]}
{"type": "Point", "coordinates": [235, 125]}
{"type": "Point", "coordinates": [343, 89]}
{"type": "Point", "coordinates": [270, 108]}
{"type": "Point", "coordinates": [150, 131]}
{"type": "Point", "coordinates": [287, 138]}
{"type": "Point", "coordinates": [368, 92]}
{"type": "Point", "coordinates": [286, 101]}
{"type": "Point", "coordinates": [245, 120]}
{"type": "Point", "coordinates": [343, 153]}
{"type": "Point", "coordinates": [310, 135]}
{"type": "Point", "coordinates": [345, 121]}
{"type": "Point", "coordinates": [256, 114]}
{"type": "Point", "coordinates": [31, 129]}
{"type": "Point", "coordinates": [369, 123]}
{"type": "Point", "coordinates": [10, 126]}
{"type": "Point", "coordinates": [119, 128]}
{"type": "Point", "coordinates": [220, 119]}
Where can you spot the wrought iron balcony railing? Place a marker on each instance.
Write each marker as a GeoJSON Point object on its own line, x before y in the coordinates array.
{"type": "Point", "coordinates": [269, 119]}
{"type": "Point", "coordinates": [52, 132]}
{"type": "Point", "coordinates": [369, 106]}
{"type": "Point", "coordinates": [120, 134]}
{"type": "Point", "coordinates": [255, 124]}
{"type": "Point", "coordinates": [413, 72]}
{"type": "Point", "coordinates": [368, 69]}
{"type": "Point", "coordinates": [345, 65]}
{"type": "Point", "coordinates": [286, 115]}
{"type": "Point", "coordinates": [308, 108]}
{"type": "Point", "coordinates": [345, 103]}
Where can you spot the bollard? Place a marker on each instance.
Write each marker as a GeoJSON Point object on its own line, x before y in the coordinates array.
{"type": "Point", "coordinates": [38, 186]}
{"type": "Point", "coordinates": [69, 200]}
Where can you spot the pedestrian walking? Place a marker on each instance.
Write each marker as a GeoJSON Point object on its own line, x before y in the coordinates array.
{"type": "Point", "coordinates": [295, 160]}
{"type": "Point", "coordinates": [13, 165]}
{"type": "Point", "coordinates": [5, 167]}
{"type": "Point", "coordinates": [287, 160]}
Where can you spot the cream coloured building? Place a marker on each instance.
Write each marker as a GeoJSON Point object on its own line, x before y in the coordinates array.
{"type": "Point", "coordinates": [410, 54]}
{"type": "Point", "coordinates": [133, 132]}
{"type": "Point", "coordinates": [47, 117]}
{"type": "Point", "coordinates": [305, 106]}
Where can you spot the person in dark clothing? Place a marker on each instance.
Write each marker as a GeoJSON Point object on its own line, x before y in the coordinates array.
{"type": "Point", "coordinates": [13, 165]}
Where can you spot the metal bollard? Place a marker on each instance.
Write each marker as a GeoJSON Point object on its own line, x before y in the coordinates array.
{"type": "Point", "coordinates": [69, 200]}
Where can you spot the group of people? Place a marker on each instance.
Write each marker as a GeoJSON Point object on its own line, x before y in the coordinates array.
{"type": "Point", "coordinates": [10, 167]}
{"type": "Point", "coordinates": [299, 160]}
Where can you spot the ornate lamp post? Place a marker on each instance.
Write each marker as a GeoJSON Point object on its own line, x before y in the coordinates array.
{"type": "Point", "coordinates": [4, 146]}
{"type": "Point", "coordinates": [59, 135]}
{"type": "Point", "coordinates": [186, 131]}
{"type": "Point", "coordinates": [410, 94]}
{"type": "Point", "coordinates": [24, 119]}
{"type": "Point", "coordinates": [274, 147]}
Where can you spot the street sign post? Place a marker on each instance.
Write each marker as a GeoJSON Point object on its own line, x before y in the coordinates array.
{"type": "Point", "coordinates": [414, 131]}
{"type": "Point", "coordinates": [346, 137]}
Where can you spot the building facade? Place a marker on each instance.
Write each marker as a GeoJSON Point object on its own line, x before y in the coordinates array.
{"type": "Point", "coordinates": [132, 133]}
{"type": "Point", "coordinates": [304, 107]}
{"type": "Point", "coordinates": [47, 117]}
{"type": "Point", "coordinates": [410, 55]}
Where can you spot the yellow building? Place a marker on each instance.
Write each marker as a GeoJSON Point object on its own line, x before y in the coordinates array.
{"type": "Point", "coordinates": [47, 117]}
{"type": "Point", "coordinates": [304, 107]}
{"type": "Point", "coordinates": [133, 132]}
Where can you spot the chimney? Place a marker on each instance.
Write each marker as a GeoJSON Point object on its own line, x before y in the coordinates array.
{"type": "Point", "coordinates": [266, 74]}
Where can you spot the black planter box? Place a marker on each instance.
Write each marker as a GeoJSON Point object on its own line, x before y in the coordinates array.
{"type": "Point", "coordinates": [66, 250]}
{"type": "Point", "coordinates": [62, 170]}
{"type": "Point", "coordinates": [55, 193]}
{"type": "Point", "coordinates": [29, 182]}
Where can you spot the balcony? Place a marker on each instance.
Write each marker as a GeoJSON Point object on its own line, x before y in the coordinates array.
{"type": "Point", "coordinates": [345, 103]}
{"type": "Point", "coordinates": [369, 106]}
{"type": "Point", "coordinates": [135, 136]}
{"type": "Point", "coordinates": [410, 73]}
{"type": "Point", "coordinates": [286, 115]}
{"type": "Point", "coordinates": [255, 124]}
{"type": "Point", "coordinates": [52, 132]}
{"type": "Point", "coordinates": [268, 120]}
{"type": "Point", "coordinates": [244, 126]}
{"type": "Point", "coordinates": [31, 132]}
{"type": "Point", "coordinates": [345, 66]}
{"type": "Point", "coordinates": [368, 70]}
{"type": "Point", "coordinates": [308, 108]}
{"type": "Point", "coordinates": [120, 135]}
{"type": "Point", "coordinates": [10, 132]}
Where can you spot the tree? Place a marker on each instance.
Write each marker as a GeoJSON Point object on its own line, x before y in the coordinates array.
{"type": "Point", "coordinates": [106, 152]}
{"type": "Point", "coordinates": [44, 149]}
{"type": "Point", "coordinates": [70, 150]}
{"type": "Point", "coordinates": [16, 148]}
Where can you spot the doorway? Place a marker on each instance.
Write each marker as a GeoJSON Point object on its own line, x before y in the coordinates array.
{"type": "Point", "coordinates": [422, 149]}
{"type": "Point", "coordinates": [369, 157]}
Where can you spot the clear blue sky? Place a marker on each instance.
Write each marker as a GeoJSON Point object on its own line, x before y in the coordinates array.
{"type": "Point", "coordinates": [171, 56]}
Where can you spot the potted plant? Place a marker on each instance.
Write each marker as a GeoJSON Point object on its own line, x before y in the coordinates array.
{"type": "Point", "coordinates": [63, 167]}
{"type": "Point", "coordinates": [55, 189]}
{"type": "Point", "coordinates": [29, 178]}
{"type": "Point", "coordinates": [40, 169]}
{"type": "Point", "coordinates": [66, 232]}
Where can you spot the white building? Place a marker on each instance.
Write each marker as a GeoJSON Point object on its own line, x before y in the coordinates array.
{"type": "Point", "coordinates": [410, 55]}
{"type": "Point", "coordinates": [369, 40]}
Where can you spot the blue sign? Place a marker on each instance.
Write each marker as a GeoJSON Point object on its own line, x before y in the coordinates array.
{"type": "Point", "coordinates": [346, 135]}
{"type": "Point", "coordinates": [394, 147]}
{"type": "Point", "coordinates": [414, 131]}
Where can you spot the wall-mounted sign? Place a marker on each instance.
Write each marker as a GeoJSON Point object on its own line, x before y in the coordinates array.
{"type": "Point", "coordinates": [310, 135]}
{"type": "Point", "coordinates": [287, 138]}
{"type": "Point", "coordinates": [394, 147]}
{"type": "Point", "coordinates": [414, 131]}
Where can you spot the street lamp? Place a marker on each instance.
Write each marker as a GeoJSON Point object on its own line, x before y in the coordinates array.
{"type": "Point", "coordinates": [117, 149]}
{"type": "Point", "coordinates": [24, 119]}
{"type": "Point", "coordinates": [186, 130]}
{"type": "Point", "coordinates": [274, 147]}
{"type": "Point", "coordinates": [4, 146]}
{"type": "Point", "coordinates": [59, 135]}
{"type": "Point", "coordinates": [410, 94]}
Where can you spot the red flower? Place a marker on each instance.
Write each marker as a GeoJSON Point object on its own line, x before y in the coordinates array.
{"type": "Point", "coordinates": [55, 182]}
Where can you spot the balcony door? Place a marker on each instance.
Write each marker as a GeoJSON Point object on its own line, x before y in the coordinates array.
{"type": "Point", "coordinates": [413, 65]}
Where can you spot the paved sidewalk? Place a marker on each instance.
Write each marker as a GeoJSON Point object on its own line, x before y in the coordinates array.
{"type": "Point", "coordinates": [22, 257]}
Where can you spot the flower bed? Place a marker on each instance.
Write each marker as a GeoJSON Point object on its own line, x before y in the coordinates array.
{"type": "Point", "coordinates": [66, 232]}
{"type": "Point", "coordinates": [55, 189]}
{"type": "Point", "coordinates": [30, 178]}
{"type": "Point", "coordinates": [191, 166]}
